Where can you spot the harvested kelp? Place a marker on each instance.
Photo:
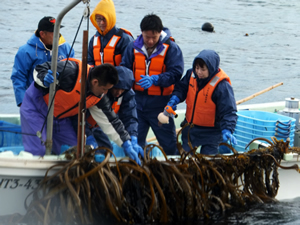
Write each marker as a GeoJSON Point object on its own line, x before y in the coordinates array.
{"type": "Point", "coordinates": [192, 186]}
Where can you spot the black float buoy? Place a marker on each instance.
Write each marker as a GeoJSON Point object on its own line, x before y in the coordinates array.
{"type": "Point", "coordinates": [208, 27]}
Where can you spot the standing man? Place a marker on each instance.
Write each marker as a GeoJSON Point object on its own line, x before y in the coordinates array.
{"type": "Point", "coordinates": [37, 51]}
{"type": "Point", "coordinates": [157, 64]}
{"type": "Point", "coordinates": [109, 42]}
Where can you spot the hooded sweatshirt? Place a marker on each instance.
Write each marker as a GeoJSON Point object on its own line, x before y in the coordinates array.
{"type": "Point", "coordinates": [222, 96]}
{"type": "Point", "coordinates": [127, 113]}
{"type": "Point", "coordinates": [106, 9]}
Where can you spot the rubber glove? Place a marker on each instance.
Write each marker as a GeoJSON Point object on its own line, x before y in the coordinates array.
{"type": "Point", "coordinates": [130, 152]}
{"type": "Point", "coordinates": [90, 140]}
{"type": "Point", "coordinates": [147, 81]}
{"type": "Point", "coordinates": [48, 79]}
{"type": "Point", "coordinates": [227, 135]}
{"type": "Point", "coordinates": [64, 148]}
{"type": "Point", "coordinates": [136, 146]}
{"type": "Point", "coordinates": [99, 158]}
{"type": "Point", "coordinates": [174, 100]}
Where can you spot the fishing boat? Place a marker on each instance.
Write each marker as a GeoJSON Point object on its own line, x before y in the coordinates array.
{"type": "Point", "coordinates": [21, 172]}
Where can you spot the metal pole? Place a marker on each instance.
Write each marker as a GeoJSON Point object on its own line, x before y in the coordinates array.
{"type": "Point", "coordinates": [81, 107]}
{"type": "Point", "coordinates": [54, 69]}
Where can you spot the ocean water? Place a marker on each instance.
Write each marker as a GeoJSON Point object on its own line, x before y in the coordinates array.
{"type": "Point", "coordinates": [267, 56]}
{"type": "Point", "coordinates": [258, 43]}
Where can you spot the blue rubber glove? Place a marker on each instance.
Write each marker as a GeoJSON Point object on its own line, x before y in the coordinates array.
{"type": "Point", "coordinates": [130, 152]}
{"type": "Point", "coordinates": [99, 158]}
{"type": "Point", "coordinates": [64, 148]}
{"type": "Point", "coordinates": [227, 135]}
{"type": "Point", "coordinates": [136, 146]}
{"type": "Point", "coordinates": [48, 79]}
{"type": "Point", "coordinates": [147, 81]}
{"type": "Point", "coordinates": [174, 100]}
{"type": "Point", "coordinates": [90, 140]}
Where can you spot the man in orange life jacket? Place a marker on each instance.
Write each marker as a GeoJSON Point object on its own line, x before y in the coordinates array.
{"type": "Point", "coordinates": [34, 108]}
{"type": "Point", "coordinates": [122, 101]}
{"type": "Point", "coordinates": [109, 42]}
{"type": "Point", "coordinates": [157, 64]}
{"type": "Point", "coordinates": [210, 104]}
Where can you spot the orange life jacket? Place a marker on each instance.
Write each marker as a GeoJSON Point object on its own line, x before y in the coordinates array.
{"type": "Point", "coordinates": [108, 54]}
{"type": "Point", "coordinates": [156, 66]}
{"type": "Point", "coordinates": [66, 103]}
{"type": "Point", "coordinates": [115, 106]}
{"type": "Point", "coordinates": [201, 110]}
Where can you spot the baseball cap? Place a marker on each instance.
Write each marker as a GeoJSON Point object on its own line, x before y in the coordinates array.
{"type": "Point", "coordinates": [47, 24]}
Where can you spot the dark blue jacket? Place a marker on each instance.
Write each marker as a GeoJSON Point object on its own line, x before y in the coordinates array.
{"type": "Point", "coordinates": [127, 113]}
{"type": "Point", "coordinates": [223, 97]}
{"type": "Point", "coordinates": [174, 70]}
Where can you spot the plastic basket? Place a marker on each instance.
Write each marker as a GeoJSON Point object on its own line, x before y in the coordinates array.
{"type": "Point", "coordinates": [247, 137]}
{"type": "Point", "coordinates": [251, 126]}
{"type": "Point", "coordinates": [265, 118]}
{"type": "Point", "coordinates": [275, 132]}
{"type": "Point", "coordinates": [10, 134]}
{"type": "Point", "coordinates": [240, 147]}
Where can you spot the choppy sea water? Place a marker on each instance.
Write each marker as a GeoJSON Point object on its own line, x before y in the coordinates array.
{"type": "Point", "coordinates": [267, 56]}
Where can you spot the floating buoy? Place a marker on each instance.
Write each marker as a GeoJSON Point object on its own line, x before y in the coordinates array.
{"type": "Point", "coordinates": [162, 118]}
{"type": "Point", "coordinates": [246, 34]}
{"type": "Point", "coordinates": [208, 27]}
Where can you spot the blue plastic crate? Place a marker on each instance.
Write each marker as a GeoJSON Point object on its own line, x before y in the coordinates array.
{"type": "Point", "coordinates": [256, 135]}
{"type": "Point", "coordinates": [240, 147]}
{"type": "Point", "coordinates": [10, 134]}
{"type": "Point", "coordinates": [264, 118]}
{"type": "Point", "coordinates": [274, 132]}
{"type": "Point", "coordinates": [245, 125]}
{"type": "Point", "coordinates": [247, 137]}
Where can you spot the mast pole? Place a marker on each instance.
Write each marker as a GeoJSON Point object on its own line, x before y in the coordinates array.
{"type": "Point", "coordinates": [81, 107]}
{"type": "Point", "coordinates": [54, 69]}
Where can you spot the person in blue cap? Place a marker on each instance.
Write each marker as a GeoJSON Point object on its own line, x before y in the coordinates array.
{"type": "Point", "coordinates": [210, 104]}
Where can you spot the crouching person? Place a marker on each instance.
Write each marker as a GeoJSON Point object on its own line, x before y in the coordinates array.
{"type": "Point", "coordinates": [35, 105]}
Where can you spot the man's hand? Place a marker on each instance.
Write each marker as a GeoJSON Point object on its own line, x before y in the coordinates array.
{"type": "Point", "coordinates": [147, 81]}
{"type": "Point", "coordinates": [48, 79]}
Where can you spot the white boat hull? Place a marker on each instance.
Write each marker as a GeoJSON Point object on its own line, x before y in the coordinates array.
{"type": "Point", "coordinates": [19, 177]}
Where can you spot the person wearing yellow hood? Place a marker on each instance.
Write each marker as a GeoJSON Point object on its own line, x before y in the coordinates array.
{"type": "Point", "coordinates": [109, 42]}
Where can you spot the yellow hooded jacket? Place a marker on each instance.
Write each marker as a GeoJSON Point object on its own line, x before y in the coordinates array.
{"type": "Point", "coordinates": [105, 8]}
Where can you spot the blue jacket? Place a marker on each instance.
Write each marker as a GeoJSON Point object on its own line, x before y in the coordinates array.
{"type": "Point", "coordinates": [174, 69]}
{"type": "Point", "coordinates": [127, 113]}
{"type": "Point", "coordinates": [30, 55]}
{"type": "Point", "coordinates": [223, 97]}
{"type": "Point", "coordinates": [120, 47]}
